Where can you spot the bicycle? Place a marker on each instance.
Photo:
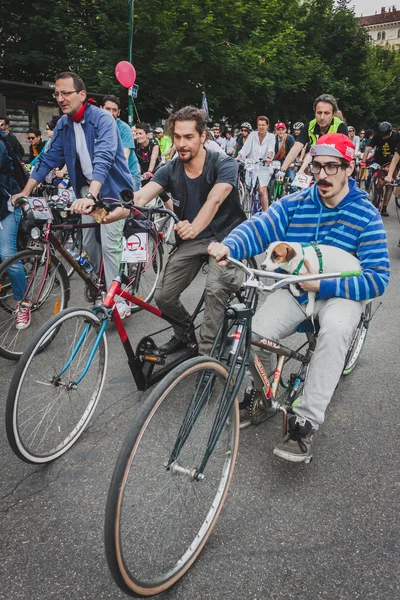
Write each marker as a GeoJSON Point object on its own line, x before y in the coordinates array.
{"type": "Point", "coordinates": [48, 288]}
{"type": "Point", "coordinates": [377, 193]}
{"type": "Point", "coordinates": [52, 396]}
{"type": "Point", "coordinates": [278, 189]}
{"type": "Point", "coordinates": [250, 200]}
{"type": "Point", "coordinates": [170, 482]}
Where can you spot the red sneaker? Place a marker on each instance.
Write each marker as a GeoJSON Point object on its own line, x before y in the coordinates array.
{"type": "Point", "coordinates": [23, 314]}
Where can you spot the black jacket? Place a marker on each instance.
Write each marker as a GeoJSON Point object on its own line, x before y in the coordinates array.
{"type": "Point", "coordinates": [229, 214]}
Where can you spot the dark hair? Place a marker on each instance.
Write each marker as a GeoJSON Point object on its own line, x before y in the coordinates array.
{"type": "Point", "coordinates": [53, 122]}
{"type": "Point", "coordinates": [6, 121]}
{"type": "Point", "coordinates": [79, 85]}
{"type": "Point", "coordinates": [262, 118]}
{"type": "Point", "coordinates": [187, 113]}
{"type": "Point", "coordinates": [144, 126]}
{"type": "Point", "coordinates": [111, 98]}
{"type": "Point", "coordinates": [326, 98]}
{"type": "Point", "coordinates": [37, 132]}
{"type": "Point", "coordinates": [369, 133]}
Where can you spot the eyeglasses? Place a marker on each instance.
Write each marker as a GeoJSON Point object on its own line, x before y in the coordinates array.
{"type": "Point", "coordinates": [351, 130]}
{"type": "Point", "coordinates": [329, 168]}
{"type": "Point", "coordinates": [244, 130]}
{"type": "Point", "coordinates": [65, 94]}
{"type": "Point", "coordinates": [30, 138]}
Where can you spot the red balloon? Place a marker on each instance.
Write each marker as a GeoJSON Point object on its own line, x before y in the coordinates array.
{"type": "Point", "coordinates": [125, 73]}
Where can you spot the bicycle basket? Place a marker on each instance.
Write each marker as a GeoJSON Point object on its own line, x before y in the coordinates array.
{"type": "Point", "coordinates": [36, 213]}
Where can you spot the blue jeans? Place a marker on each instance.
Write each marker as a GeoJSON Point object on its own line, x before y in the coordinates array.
{"type": "Point", "coordinates": [8, 248]}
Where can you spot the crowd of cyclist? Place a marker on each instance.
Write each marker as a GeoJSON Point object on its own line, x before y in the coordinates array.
{"type": "Point", "coordinates": [102, 156]}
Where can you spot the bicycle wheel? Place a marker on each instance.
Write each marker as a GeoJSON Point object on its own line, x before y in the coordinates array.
{"type": "Point", "coordinates": [358, 340]}
{"type": "Point", "coordinates": [157, 518]}
{"type": "Point", "coordinates": [48, 407]}
{"type": "Point", "coordinates": [143, 277]}
{"type": "Point", "coordinates": [47, 288]}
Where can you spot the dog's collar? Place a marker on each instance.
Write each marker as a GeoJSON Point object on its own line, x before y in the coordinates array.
{"type": "Point", "coordinates": [319, 256]}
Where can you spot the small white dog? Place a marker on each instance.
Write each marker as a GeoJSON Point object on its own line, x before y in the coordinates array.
{"type": "Point", "coordinates": [288, 256]}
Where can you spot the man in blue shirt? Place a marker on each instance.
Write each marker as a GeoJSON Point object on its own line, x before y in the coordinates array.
{"type": "Point", "coordinates": [112, 105]}
{"type": "Point", "coordinates": [86, 139]}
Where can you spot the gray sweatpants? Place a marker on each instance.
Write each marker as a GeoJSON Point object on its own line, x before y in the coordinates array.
{"type": "Point", "coordinates": [280, 316]}
{"type": "Point", "coordinates": [180, 270]}
{"type": "Point", "coordinates": [110, 247]}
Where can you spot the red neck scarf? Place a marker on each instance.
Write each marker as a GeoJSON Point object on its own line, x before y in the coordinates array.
{"type": "Point", "coordinates": [78, 116]}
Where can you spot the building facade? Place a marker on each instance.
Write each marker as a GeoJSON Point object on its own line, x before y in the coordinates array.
{"type": "Point", "coordinates": [383, 27]}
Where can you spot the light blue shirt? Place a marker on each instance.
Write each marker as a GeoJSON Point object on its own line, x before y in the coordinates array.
{"type": "Point", "coordinates": [128, 142]}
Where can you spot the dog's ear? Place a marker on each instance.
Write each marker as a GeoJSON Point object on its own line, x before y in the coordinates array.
{"type": "Point", "coordinates": [290, 253]}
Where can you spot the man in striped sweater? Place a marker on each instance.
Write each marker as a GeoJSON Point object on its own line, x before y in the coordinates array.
{"type": "Point", "coordinates": [333, 212]}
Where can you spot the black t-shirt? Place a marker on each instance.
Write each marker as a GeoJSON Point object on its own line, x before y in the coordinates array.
{"type": "Point", "coordinates": [227, 173]}
{"type": "Point", "coordinates": [303, 135]}
{"type": "Point", "coordinates": [144, 155]}
{"type": "Point", "coordinates": [385, 148]}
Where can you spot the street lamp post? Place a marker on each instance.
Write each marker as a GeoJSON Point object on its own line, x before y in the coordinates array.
{"type": "Point", "coordinates": [130, 50]}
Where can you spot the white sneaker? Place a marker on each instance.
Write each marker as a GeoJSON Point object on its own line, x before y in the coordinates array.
{"type": "Point", "coordinates": [124, 309]}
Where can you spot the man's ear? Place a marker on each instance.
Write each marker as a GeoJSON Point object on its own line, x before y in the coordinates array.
{"type": "Point", "coordinates": [290, 253]}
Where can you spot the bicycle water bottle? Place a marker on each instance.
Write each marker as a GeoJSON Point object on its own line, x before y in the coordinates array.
{"type": "Point", "coordinates": [85, 264]}
{"type": "Point", "coordinates": [73, 254]}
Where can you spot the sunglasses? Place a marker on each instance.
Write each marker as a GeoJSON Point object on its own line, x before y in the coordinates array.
{"type": "Point", "coordinates": [31, 138]}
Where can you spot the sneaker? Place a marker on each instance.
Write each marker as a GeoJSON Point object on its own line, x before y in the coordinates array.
{"type": "Point", "coordinates": [23, 314]}
{"type": "Point", "coordinates": [124, 309]}
{"type": "Point", "coordinates": [384, 212]}
{"type": "Point", "coordinates": [179, 343]}
{"type": "Point", "coordinates": [244, 407]}
{"type": "Point", "coordinates": [296, 444]}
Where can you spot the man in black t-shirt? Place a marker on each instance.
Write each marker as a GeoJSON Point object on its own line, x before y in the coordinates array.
{"type": "Point", "coordinates": [147, 150]}
{"type": "Point", "coordinates": [385, 142]}
{"type": "Point", "coordinates": [203, 185]}
{"type": "Point", "coordinates": [325, 107]}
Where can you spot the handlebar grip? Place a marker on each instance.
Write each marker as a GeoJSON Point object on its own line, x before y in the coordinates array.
{"type": "Point", "coordinates": [350, 273]}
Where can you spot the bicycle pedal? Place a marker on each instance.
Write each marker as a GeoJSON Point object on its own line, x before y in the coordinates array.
{"type": "Point", "coordinates": [157, 359]}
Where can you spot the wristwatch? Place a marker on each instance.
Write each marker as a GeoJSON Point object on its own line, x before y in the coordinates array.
{"type": "Point", "coordinates": [91, 197]}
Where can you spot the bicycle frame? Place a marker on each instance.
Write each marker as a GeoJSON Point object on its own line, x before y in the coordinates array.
{"type": "Point", "coordinates": [242, 313]}
{"type": "Point", "coordinates": [142, 370]}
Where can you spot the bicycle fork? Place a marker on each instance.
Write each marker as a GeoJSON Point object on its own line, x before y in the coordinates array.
{"type": "Point", "coordinates": [74, 384]}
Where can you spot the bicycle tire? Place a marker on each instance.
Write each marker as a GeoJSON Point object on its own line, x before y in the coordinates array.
{"type": "Point", "coordinates": [144, 277]}
{"type": "Point", "coordinates": [125, 551]}
{"type": "Point", "coordinates": [28, 415]}
{"type": "Point", "coordinates": [358, 341]}
{"type": "Point", "coordinates": [53, 298]}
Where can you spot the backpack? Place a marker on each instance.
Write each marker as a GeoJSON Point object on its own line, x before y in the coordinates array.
{"type": "Point", "coordinates": [18, 171]}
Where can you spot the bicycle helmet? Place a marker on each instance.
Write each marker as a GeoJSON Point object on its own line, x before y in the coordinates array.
{"type": "Point", "coordinates": [384, 128]}
{"type": "Point", "coordinates": [298, 125]}
{"type": "Point", "coordinates": [246, 125]}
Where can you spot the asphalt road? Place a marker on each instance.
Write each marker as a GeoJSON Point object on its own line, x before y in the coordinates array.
{"type": "Point", "coordinates": [329, 530]}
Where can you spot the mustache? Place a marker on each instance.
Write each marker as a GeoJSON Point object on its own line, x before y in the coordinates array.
{"type": "Point", "coordinates": [324, 182]}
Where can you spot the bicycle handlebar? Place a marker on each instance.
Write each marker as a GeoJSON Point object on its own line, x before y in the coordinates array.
{"type": "Point", "coordinates": [112, 204]}
{"type": "Point", "coordinates": [284, 278]}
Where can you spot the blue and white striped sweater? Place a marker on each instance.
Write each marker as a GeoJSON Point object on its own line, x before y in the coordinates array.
{"type": "Point", "coordinates": [354, 225]}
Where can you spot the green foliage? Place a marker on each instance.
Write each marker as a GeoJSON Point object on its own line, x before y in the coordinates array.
{"type": "Point", "coordinates": [250, 56]}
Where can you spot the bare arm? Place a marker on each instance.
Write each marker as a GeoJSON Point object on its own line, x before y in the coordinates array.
{"type": "Point", "coordinates": [293, 154]}
{"type": "Point", "coordinates": [217, 195]}
{"type": "Point", "coordinates": [127, 152]}
{"type": "Point", "coordinates": [154, 155]}
{"type": "Point", "coordinates": [392, 167]}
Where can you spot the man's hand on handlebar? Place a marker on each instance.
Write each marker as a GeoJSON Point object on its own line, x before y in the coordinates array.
{"type": "Point", "coordinates": [116, 215]}
{"type": "Point", "coordinates": [16, 197]}
{"type": "Point", "coordinates": [219, 251]}
{"type": "Point", "coordinates": [83, 206]}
